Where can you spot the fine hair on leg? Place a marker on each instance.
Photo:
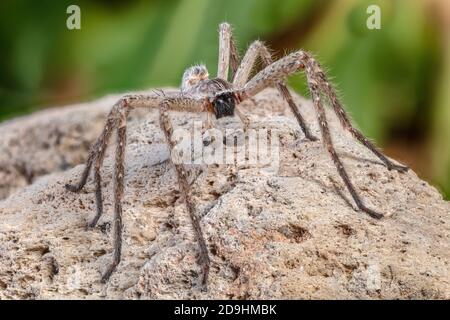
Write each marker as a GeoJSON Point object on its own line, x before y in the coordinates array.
{"type": "Point", "coordinates": [258, 49]}
{"type": "Point", "coordinates": [119, 174]}
{"type": "Point", "coordinates": [224, 50]}
{"type": "Point", "coordinates": [97, 176]}
{"type": "Point", "coordinates": [234, 56]}
{"type": "Point", "coordinates": [278, 71]}
{"type": "Point", "coordinates": [327, 140]}
{"type": "Point", "coordinates": [96, 154]}
{"type": "Point", "coordinates": [344, 118]}
{"type": "Point", "coordinates": [116, 120]}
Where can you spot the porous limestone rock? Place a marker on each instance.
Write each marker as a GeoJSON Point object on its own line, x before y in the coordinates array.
{"type": "Point", "coordinates": [288, 232]}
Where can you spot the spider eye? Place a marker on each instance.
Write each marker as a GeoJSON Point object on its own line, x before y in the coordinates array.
{"type": "Point", "coordinates": [224, 104]}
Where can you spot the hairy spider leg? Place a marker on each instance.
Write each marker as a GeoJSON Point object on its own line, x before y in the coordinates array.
{"type": "Point", "coordinates": [117, 119]}
{"type": "Point", "coordinates": [279, 70]}
{"type": "Point", "coordinates": [258, 49]}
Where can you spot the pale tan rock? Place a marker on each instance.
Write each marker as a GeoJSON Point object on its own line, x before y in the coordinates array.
{"type": "Point", "coordinates": [288, 235]}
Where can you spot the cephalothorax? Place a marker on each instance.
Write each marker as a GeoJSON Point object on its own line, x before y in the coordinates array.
{"type": "Point", "coordinates": [220, 98]}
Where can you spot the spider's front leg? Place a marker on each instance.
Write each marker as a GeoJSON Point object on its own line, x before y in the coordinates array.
{"type": "Point", "coordinates": [324, 128]}
{"type": "Point", "coordinates": [292, 63]}
{"type": "Point", "coordinates": [96, 154]}
{"type": "Point", "coordinates": [190, 105]}
{"type": "Point", "coordinates": [255, 50]}
{"type": "Point", "coordinates": [296, 61]}
{"type": "Point", "coordinates": [116, 120]}
{"type": "Point", "coordinates": [345, 120]}
{"type": "Point", "coordinates": [119, 174]}
{"type": "Point", "coordinates": [228, 54]}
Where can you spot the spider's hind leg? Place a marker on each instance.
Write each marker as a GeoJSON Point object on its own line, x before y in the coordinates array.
{"type": "Point", "coordinates": [315, 95]}
{"type": "Point", "coordinates": [119, 173]}
{"type": "Point", "coordinates": [96, 154]}
{"type": "Point", "coordinates": [84, 176]}
{"type": "Point", "coordinates": [345, 120]}
{"type": "Point", "coordinates": [279, 70]}
{"type": "Point", "coordinates": [259, 49]}
{"type": "Point", "coordinates": [184, 186]}
{"type": "Point", "coordinates": [116, 121]}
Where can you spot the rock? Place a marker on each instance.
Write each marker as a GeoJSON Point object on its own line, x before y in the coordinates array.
{"type": "Point", "coordinates": [285, 232]}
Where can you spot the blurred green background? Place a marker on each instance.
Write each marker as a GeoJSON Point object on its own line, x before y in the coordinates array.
{"type": "Point", "coordinates": [394, 81]}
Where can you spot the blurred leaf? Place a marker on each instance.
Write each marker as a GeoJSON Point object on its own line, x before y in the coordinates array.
{"type": "Point", "coordinates": [179, 42]}
{"type": "Point", "coordinates": [377, 76]}
{"type": "Point", "coordinates": [441, 130]}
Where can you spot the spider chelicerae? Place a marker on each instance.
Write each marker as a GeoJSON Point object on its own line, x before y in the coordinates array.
{"type": "Point", "coordinates": [221, 98]}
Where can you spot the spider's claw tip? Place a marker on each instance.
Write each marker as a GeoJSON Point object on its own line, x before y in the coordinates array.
{"type": "Point", "coordinates": [312, 138]}
{"type": "Point", "coordinates": [399, 168]}
{"type": "Point", "coordinates": [372, 213]}
{"type": "Point", "coordinates": [204, 284]}
{"type": "Point", "coordinates": [89, 226]}
{"type": "Point", "coordinates": [70, 187]}
{"type": "Point", "coordinates": [109, 271]}
{"type": "Point", "coordinates": [105, 277]}
{"type": "Point", "coordinates": [377, 215]}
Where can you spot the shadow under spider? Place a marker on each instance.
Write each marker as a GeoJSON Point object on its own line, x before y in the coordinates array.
{"type": "Point", "coordinates": [337, 190]}
{"type": "Point", "coordinates": [320, 183]}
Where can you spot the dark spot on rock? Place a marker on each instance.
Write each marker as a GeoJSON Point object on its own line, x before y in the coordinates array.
{"type": "Point", "coordinates": [45, 250]}
{"type": "Point", "coordinates": [236, 271]}
{"type": "Point", "coordinates": [81, 204]}
{"type": "Point", "coordinates": [295, 232]}
{"type": "Point", "coordinates": [252, 211]}
{"type": "Point", "coordinates": [105, 227]}
{"type": "Point", "coordinates": [346, 230]}
{"type": "Point", "coordinates": [213, 249]}
{"type": "Point", "coordinates": [99, 253]}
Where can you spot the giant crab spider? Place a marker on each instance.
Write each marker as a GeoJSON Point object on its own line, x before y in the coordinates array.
{"type": "Point", "coordinates": [220, 98]}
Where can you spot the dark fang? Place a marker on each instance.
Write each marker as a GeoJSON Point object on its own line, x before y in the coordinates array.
{"type": "Point", "coordinates": [224, 104]}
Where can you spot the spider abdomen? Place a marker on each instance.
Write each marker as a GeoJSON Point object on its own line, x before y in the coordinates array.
{"type": "Point", "coordinates": [210, 87]}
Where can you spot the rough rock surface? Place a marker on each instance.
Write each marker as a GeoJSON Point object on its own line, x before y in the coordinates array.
{"type": "Point", "coordinates": [289, 234]}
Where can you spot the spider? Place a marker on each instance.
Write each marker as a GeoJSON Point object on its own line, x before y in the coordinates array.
{"type": "Point", "coordinates": [221, 98]}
